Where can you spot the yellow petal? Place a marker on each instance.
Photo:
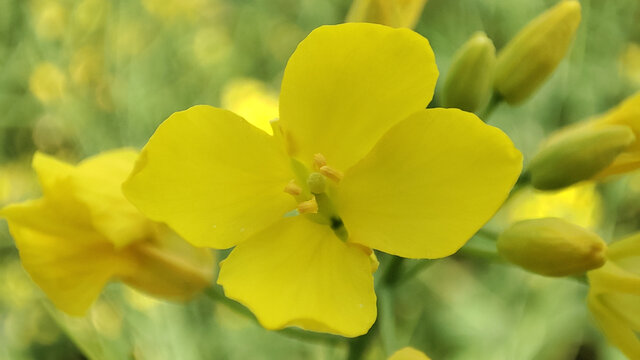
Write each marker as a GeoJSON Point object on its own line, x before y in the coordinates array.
{"type": "Point", "coordinates": [624, 163]}
{"type": "Point", "coordinates": [69, 262]}
{"type": "Point", "coordinates": [212, 177]}
{"type": "Point", "coordinates": [626, 113]}
{"type": "Point", "coordinates": [346, 85]}
{"type": "Point", "coordinates": [615, 329]}
{"type": "Point", "coordinates": [408, 353]}
{"type": "Point", "coordinates": [429, 184]}
{"type": "Point", "coordinates": [298, 273]}
{"type": "Point", "coordinates": [98, 184]}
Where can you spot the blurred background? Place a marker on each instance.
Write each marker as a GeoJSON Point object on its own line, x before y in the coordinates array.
{"type": "Point", "coordinates": [80, 77]}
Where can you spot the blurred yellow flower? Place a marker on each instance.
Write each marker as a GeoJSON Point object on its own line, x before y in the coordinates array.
{"type": "Point", "coordinates": [251, 99]}
{"type": "Point", "coordinates": [579, 204]}
{"type": "Point", "coordinates": [106, 319]}
{"type": "Point", "coordinates": [127, 37]}
{"type": "Point", "coordinates": [211, 45]}
{"type": "Point", "coordinates": [630, 63]}
{"type": "Point", "coordinates": [16, 181]}
{"type": "Point", "coordinates": [394, 13]}
{"type": "Point", "coordinates": [83, 233]}
{"type": "Point", "coordinates": [47, 82]}
{"type": "Point", "coordinates": [408, 353]}
{"type": "Point", "coordinates": [614, 296]}
{"type": "Point", "coordinates": [368, 167]}
{"type": "Point", "coordinates": [50, 19]}
{"type": "Point", "coordinates": [86, 66]}
{"type": "Point", "coordinates": [89, 15]}
{"type": "Point", "coordinates": [174, 9]}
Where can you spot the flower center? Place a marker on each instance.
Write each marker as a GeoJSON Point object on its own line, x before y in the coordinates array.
{"type": "Point", "coordinates": [312, 192]}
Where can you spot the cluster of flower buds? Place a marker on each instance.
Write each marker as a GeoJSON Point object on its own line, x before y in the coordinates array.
{"type": "Point", "coordinates": [519, 69]}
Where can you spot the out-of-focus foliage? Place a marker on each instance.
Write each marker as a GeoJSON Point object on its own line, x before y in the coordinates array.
{"type": "Point", "coordinates": [80, 77]}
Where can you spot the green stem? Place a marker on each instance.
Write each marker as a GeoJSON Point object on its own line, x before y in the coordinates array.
{"type": "Point", "coordinates": [415, 270]}
{"type": "Point", "coordinates": [386, 319]}
{"type": "Point", "coordinates": [358, 346]}
{"type": "Point", "coordinates": [496, 100]}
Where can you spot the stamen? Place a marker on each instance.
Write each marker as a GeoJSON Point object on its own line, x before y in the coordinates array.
{"type": "Point", "coordinates": [293, 188]}
{"type": "Point", "coordinates": [331, 173]}
{"type": "Point", "coordinates": [319, 161]}
{"type": "Point", "coordinates": [308, 207]}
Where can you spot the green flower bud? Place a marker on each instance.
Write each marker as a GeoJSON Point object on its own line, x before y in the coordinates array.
{"type": "Point", "coordinates": [552, 247]}
{"type": "Point", "coordinates": [532, 55]}
{"type": "Point", "coordinates": [469, 80]}
{"type": "Point", "coordinates": [578, 156]}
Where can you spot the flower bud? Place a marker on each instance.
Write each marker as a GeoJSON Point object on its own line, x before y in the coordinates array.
{"type": "Point", "coordinates": [469, 80]}
{"type": "Point", "coordinates": [552, 247]}
{"type": "Point", "coordinates": [578, 155]}
{"type": "Point", "coordinates": [396, 13]}
{"type": "Point", "coordinates": [532, 55]}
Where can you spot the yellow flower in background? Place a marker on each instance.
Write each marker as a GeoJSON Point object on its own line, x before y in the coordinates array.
{"type": "Point", "coordinates": [83, 233]}
{"type": "Point", "coordinates": [408, 353]}
{"type": "Point", "coordinates": [50, 19]}
{"type": "Point", "coordinates": [211, 45]}
{"type": "Point", "coordinates": [579, 204]}
{"type": "Point", "coordinates": [395, 13]}
{"type": "Point", "coordinates": [86, 66]}
{"type": "Point", "coordinates": [630, 63]}
{"type": "Point", "coordinates": [47, 82]}
{"type": "Point", "coordinates": [594, 149]}
{"type": "Point", "coordinates": [614, 296]}
{"type": "Point", "coordinates": [358, 155]}
{"type": "Point", "coordinates": [251, 99]}
{"type": "Point", "coordinates": [174, 9]}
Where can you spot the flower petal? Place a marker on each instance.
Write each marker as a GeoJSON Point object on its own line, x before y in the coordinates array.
{"type": "Point", "coordinates": [615, 329]}
{"type": "Point", "coordinates": [97, 183]}
{"type": "Point", "coordinates": [346, 85]}
{"type": "Point", "coordinates": [298, 273]}
{"type": "Point", "coordinates": [70, 263]}
{"type": "Point", "coordinates": [429, 184]}
{"type": "Point", "coordinates": [212, 177]}
{"type": "Point", "coordinates": [408, 353]}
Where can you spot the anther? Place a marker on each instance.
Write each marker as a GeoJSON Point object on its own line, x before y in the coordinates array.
{"type": "Point", "coordinates": [308, 207]}
{"type": "Point", "coordinates": [293, 188]}
{"type": "Point", "coordinates": [331, 173]}
{"type": "Point", "coordinates": [319, 161]}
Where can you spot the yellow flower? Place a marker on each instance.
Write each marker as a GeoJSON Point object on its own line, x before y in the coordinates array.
{"type": "Point", "coordinates": [83, 233]}
{"type": "Point", "coordinates": [614, 296]}
{"type": "Point", "coordinates": [386, 174]}
{"type": "Point", "coordinates": [47, 82]}
{"type": "Point", "coordinates": [408, 353]}
{"type": "Point", "coordinates": [630, 63]}
{"type": "Point", "coordinates": [579, 204]}
{"type": "Point", "coordinates": [251, 99]}
{"type": "Point", "coordinates": [396, 13]}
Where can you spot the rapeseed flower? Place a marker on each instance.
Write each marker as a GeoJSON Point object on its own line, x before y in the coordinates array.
{"type": "Point", "coordinates": [356, 163]}
{"type": "Point", "coordinates": [408, 353]}
{"type": "Point", "coordinates": [614, 295]}
{"type": "Point", "coordinates": [83, 233]}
